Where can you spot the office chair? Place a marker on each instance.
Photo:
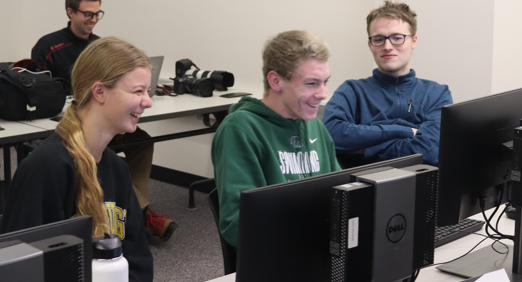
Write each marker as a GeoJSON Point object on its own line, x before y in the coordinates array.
{"type": "Point", "coordinates": [229, 252]}
{"type": "Point", "coordinates": [347, 160]}
{"type": "Point", "coordinates": [205, 186]}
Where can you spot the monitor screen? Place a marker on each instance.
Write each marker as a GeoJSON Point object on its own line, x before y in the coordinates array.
{"type": "Point", "coordinates": [80, 227]}
{"type": "Point", "coordinates": [474, 155]}
{"type": "Point", "coordinates": [156, 62]}
{"type": "Point", "coordinates": [284, 229]}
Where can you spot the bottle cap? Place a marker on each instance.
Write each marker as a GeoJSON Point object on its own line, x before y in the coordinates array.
{"type": "Point", "coordinates": [107, 247]}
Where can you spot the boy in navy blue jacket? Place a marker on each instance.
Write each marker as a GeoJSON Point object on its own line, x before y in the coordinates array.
{"type": "Point", "coordinates": [392, 113]}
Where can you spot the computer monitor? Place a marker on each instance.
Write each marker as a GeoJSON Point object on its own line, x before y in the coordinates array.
{"type": "Point", "coordinates": [80, 227]}
{"type": "Point", "coordinates": [475, 160]}
{"type": "Point", "coordinates": [284, 229]}
{"type": "Point", "coordinates": [474, 154]}
{"type": "Point", "coordinates": [156, 62]}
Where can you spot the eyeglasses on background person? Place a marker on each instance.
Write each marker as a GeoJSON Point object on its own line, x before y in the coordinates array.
{"type": "Point", "coordinates": [395, 39]}
{"type": "Point", "coordinates": [90, 15]}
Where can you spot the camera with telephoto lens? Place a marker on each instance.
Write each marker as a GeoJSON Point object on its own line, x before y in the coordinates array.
{"type": "Point", "coordinates": [184, 83]}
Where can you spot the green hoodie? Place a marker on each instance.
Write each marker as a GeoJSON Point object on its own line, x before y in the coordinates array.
{"type": "Point", "coordinates": [256, 147]}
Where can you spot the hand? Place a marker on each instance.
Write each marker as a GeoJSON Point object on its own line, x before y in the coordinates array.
{"type": "Point", "coordinates": [414, 131]}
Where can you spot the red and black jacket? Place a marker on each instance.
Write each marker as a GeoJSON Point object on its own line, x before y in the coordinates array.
{"type": "Point", "coordinates": [58, 51]}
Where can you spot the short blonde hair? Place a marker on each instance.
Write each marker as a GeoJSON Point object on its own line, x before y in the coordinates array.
{"type": "Point", "coordinates": [288, 49]}
{"type": "Point", "coordinates": [399, 11]}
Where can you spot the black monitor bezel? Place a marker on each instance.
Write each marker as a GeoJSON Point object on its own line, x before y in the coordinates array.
{"type": "Point", "coordinates": [473, 162]}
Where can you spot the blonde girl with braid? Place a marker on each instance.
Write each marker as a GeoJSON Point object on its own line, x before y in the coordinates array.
{"type": "Point", "coordinates": [73, 173]}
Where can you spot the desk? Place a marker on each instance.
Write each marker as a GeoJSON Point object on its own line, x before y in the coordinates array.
{"type": "Point", "coordinates": [167, 107]}
{"type": "Point", "coordinates": [164, 107]}
{"type": "Point", "coordinates": [15, 133]}
{"type": "Point", "coordinates": [442, 254]}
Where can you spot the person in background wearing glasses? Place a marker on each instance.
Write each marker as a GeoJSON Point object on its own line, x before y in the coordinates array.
{"type": "Point", "coordinates": [57, 52]}
{"type": "Point", "coordinates": [392, 113]}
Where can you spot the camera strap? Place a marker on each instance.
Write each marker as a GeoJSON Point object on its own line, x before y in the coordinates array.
{"type": "Point", "coordinates": [220, 116]}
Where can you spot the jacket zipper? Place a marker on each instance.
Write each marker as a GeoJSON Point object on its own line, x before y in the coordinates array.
{"type": "Point", "coordinates": [398, 96]}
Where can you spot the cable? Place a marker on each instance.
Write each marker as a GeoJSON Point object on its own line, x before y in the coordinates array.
{"type": "Point", "coordinates": [502, 213]}
{"type": "Point", "coordinates": [164, 89]}
{"type": "Point", "coordinates": [413, 276]}
{"type": "Point", "coordinates": [19, 69]}
{"type": "Point", "coordinates": [485, 238]}
{"type": "Point", "coordinates": [498, 202]}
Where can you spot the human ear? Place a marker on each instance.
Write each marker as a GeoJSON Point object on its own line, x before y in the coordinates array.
{"type": "Point", "coordinates": [274, 80]}
{"type": "Point", "coordinates": [414, 39]}
{"type": "Point", "coordinates": [98, 92]}
{"type": "Point", "coordinates": [70, 12]}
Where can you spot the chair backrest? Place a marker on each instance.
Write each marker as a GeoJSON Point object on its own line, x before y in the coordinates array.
{"type": "Point", "coordinates": [229, 252]}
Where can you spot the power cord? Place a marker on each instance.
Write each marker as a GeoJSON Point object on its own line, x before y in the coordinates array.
{"type": "Point", "coordinates": [498, 234]}
{"type": "Point", "coordinates": [471, 250]}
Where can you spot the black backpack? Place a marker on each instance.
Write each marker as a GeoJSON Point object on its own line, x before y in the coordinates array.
{"type": "Point", "coordinates": [27, 95]}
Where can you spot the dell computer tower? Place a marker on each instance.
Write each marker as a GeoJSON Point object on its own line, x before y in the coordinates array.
{"type": "Point", "coordinates": [63, 258]}
{"type": "Point", "coordinates": [426, 191]}
{"type": "Point", "coordinates": [20, 262]}
{"type": "Point", "coordinates": [382, 226]}
{"type": "Point", "coordinates": [351, 232]}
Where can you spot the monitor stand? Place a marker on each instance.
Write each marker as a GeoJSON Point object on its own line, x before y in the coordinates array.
{"type": "Point", "coordinates": [487, 260]}
{"type": "Point", "coordinates": [483, 261]}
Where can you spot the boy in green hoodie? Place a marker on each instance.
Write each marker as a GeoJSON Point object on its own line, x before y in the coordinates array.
{"type": "Point", "coordinates": [276, 139]}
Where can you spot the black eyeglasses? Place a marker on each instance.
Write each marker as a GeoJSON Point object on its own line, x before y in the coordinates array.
{"type": "Point", "coordinates": [395, 39]}
{"type": "Point", "coordinates": [89, 15]}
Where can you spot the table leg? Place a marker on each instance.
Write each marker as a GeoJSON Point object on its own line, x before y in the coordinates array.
{"type": "Point", "coordinates": [7, 176]}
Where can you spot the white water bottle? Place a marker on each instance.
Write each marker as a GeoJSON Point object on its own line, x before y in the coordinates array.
{"type": "Point", "coordinates": [108, 263]}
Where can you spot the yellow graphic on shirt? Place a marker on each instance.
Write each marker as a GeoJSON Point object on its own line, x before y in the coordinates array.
{"type": "Point", "coordinates": [117, 219]}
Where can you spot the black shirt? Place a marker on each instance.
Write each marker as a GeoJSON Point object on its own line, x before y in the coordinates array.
{"type": "Point", "coordinates": [58, 51]}
{"type": "Point", "coordinates": [43, 190]}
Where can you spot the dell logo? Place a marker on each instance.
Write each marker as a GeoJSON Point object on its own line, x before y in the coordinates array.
{"type": "Point", "coordinates": [396, 228]}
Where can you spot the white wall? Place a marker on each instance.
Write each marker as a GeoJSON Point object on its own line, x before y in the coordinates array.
{"type": "Point", "coordinates": [230, 34]}
{"type": "Point", "coordinates": [507, 58]}
{"type": "Point", "coordinates": [469, 45]}
{"type": "Point", "coordinates": [455, 45]}
{"type": "Point", "coordinates": [10, 44]}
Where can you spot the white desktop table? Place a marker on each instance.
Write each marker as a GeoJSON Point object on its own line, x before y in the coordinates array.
{"type": "Point", "coordinates": [164, 107]}
{"type": "Point", "coordinates": [14, 133]}
{"type": "Point", "coordinates": [442, 254]}
{"type": "Point", "coordinates": [167, 107]}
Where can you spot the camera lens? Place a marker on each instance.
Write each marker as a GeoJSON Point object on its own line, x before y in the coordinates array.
{"type": "Point", "coordinates": [201, 87]}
